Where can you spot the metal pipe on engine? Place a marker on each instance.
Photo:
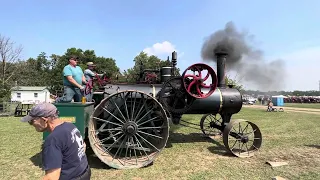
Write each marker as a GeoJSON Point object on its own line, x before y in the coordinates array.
{"type": "Point", "coordinates": [221, 55]}
{"type": "Point", "coordinates": [174, 62]}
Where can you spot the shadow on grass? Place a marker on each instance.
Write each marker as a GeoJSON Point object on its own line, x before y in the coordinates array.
{"type": "Point", "coordinates": [37, 159]}
{"type": "Point", "coordinates": [93, 161]}
{"type": "Point", "coordinates": [174, 138]}
{"type": "Point", "coordinates": [313, 146]}
{"type": "Point", "coordinates": [216, 148]}
{"type": "Point", "coordinates": [219, 149]}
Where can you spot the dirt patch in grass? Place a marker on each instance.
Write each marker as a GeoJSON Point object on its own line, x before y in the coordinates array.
{"type": "Point", "coordinates": [300, 160]}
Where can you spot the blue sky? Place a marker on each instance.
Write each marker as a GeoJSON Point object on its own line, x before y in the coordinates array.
{"type": "Point", "coordinates": [120, 29]}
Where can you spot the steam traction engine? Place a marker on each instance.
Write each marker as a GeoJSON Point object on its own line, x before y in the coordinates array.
{"type": "Point", "coordinates": [130, 125]}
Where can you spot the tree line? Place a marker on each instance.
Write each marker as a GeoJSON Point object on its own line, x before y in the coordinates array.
{"type": "Point", "coordinates": [285, 93]}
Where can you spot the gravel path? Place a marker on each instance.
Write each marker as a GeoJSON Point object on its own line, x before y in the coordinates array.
{"type": "Point", "coordinates": [288, 109]}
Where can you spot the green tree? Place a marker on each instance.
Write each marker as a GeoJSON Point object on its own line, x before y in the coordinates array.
{"type": "Point", "coordinates": [107, 65]}
{"type": "Point", "coordinates": [9, 56]}
{"type": "Point", "coordinates": [149, 62]}
{"type": "Point", "coordinates": [236, 84]}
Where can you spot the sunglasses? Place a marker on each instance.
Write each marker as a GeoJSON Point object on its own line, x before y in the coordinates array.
{"type": "Point", "coordinates": [33, 120]}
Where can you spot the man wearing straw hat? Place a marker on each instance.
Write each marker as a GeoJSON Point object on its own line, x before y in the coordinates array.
{"type": "Point", "coordinates": [89, 74]}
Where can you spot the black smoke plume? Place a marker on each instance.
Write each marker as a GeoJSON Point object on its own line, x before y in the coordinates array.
{"type": "Point", "coordinates": [245, 60]}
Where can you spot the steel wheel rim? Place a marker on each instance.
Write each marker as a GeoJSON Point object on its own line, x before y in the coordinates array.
{"type": "Point", "coordinates": [139, 140]}
{"type": "Point", "coordinates": [242, 146]}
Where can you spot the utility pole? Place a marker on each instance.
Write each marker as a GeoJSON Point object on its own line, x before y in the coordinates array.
{"type": "Point", "coordinates": [319, 85]}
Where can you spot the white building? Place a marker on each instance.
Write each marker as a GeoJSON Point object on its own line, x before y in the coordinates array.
{"type": "Point", "coordinates": [30, 94]}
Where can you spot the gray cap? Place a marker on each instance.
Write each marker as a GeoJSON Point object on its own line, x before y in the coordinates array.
{"type": "Point", "coordinates": [41, 110]}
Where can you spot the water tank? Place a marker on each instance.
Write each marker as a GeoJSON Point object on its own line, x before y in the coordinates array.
{"type": "Point", "coordinates": [165, 73]}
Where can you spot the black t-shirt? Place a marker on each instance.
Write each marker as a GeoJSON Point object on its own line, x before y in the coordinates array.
{"type": "Point", "coordinates": [64, 148]}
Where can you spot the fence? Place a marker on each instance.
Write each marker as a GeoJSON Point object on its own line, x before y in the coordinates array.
{"type": "Point", "coordinates": [8, 108]}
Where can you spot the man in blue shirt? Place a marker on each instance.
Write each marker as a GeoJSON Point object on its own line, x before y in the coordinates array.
{"type": "Point", "coordinates": [89, 74]}
{"type": "Point", "coordinates": [73, 80]}
{"type": "Point", "coordinates": [63, 151]}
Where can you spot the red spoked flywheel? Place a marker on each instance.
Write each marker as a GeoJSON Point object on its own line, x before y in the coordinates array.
{"type": "Point", "coordinates": [195, 81]}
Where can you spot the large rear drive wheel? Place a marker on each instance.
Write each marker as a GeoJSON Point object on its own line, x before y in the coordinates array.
{"type": "Point", "coordinates": [128, 129]}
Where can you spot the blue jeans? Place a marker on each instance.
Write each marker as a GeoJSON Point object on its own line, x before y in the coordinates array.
{"type": "Point", "coordinates": [69, 94]}
{"type": "Point", "coordinates": [89, 96]}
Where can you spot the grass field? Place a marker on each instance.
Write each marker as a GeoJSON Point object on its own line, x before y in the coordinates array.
{"type": "Point", "coordinates": [303, 105]}
{"type": "Point", "coordinates": [290, 137]}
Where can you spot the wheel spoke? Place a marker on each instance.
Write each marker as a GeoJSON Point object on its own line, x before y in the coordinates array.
{"type": "Point", "coordinates": [139, 144]}
{"type": "Point", "coordinates": [209, 124]}
{"type": "Point", "coordinates": [150, 134]}
{"type": "Point", "coordinates": [107, 145]}
{"type": "Point", "coordinates": [106, 130]}
{"type": "Point", "coordinates": [245, 128]}
{"type": "Point", "coordinates": [152, 119]}
{"type": "Point", "coordinates": [107, 121]}
{"type": "Point", "coordinates": [119, 111]}
{"type": "Point", "coordinates": [125, 138]}
{"type": "Point", "coordinates": [193, 86]}
{"type": "Point", "coordinates": [140, 110]}
{"type": "Point", "coordinates": [144, 115]}
{"type": "Point", "coordinates": [112, 114]}
{"type": "Point", "coordinates": [125, 103]}
{"type": "Point", "coordinates": [235, 142]}
{"type": "Point", "coordinates": [105, 139]}
{"type": "Point", "coordinates": [151, 128]}
{"type": "Point", "coordinates": [148, 142]}
{"type": "Point", "coordinates": [127, 147]}
{"type": "Point", "coordinates": [133, 106]}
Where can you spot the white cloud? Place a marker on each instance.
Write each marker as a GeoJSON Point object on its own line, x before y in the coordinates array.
{"type": "Point", "coordinates": [301, 56]}
{"type": "Point", "coordinates": [302, 67]}
{"type": "Point", "coordinates": [163, 49]}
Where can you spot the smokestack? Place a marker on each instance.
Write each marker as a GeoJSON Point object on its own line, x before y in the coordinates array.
{"type": "Point", "coordinates": [221, 55]}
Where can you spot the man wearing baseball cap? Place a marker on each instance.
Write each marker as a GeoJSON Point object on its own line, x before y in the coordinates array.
{"type": "Point", "coordinates": [63, 151]}
{"type": "Point", "coordinates": [73, 80]}
{"type": "Point", "coordinates": [89, 74]}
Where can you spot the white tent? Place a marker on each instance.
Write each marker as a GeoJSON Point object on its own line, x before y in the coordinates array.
{"type": "Point", "coordinates": [280, 96]}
